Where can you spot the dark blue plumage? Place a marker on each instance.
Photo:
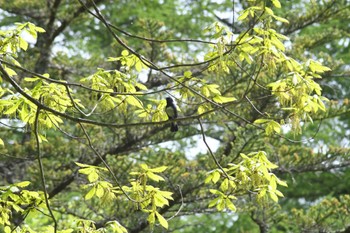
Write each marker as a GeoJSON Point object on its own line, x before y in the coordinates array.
{"type": "Point", "coordinates": [171, 111]}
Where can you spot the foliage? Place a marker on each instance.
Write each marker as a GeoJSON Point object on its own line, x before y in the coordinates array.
{"type": "Point", "coordinates": [84, 120]}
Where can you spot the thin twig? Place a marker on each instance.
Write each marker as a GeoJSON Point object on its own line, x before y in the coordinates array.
{"type": "Point", "coordinates": [182, 204]}
{"type": "Point", "coordinates": [254, 106]}
{"type": "Point", "coordinates": [210, 151]}
{"type": "Point", "coordinates": [105, 163]}
{"type": "Point", "coordinates": [41, 167]}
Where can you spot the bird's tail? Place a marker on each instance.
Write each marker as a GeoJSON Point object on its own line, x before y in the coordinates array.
{"type": "Point", "coordinates": [174, 127]}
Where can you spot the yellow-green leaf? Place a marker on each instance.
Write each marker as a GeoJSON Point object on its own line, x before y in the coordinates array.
{"type": "Point", "coordinates": [22, 184]}
{"type": "Point", "coordinates": [276, 3]}
{"type": "Point", "coordinates": [93, 176]}
{"type": "Point", "coordinates": [279, 193]}
{"type": "Point", "coordinates": [158, 169]}
{"type": "Point", "coordinates": [216, 177]}
{"type": "Point", "coordinates": [273, 196]}
{"type": "Point", "coordinates": [141, 86]}
{"type": "Point", "coordinates": [281, 182]}
{"type": "Point", "coordinates": [23, 44]}
{"type": "Point", "coordinates": [125, 53]}
{"type": "Point", "coordinates": [7, 229]}
{"type": "Point", "coordinates": [317, 67]}
{"type": "Point", "coordinates": [133, 101]}
{"type": "Point", "coordinates": [243, 15]}
{"type": "Point", "coordinates": [31, 79]}
{"type": "Point", "coordinates": [81, 165]}
{"type": "Point", "coordinates": [261, 121]}
{"type": "Point", "coordinates": [224, 185]}
{"type": "Point", "coordinates": [187, 74]}
{"type": "Point", "coordinates": [90, 194]}
{"type": "Point", "coordinates": [10, 71]}
{"type": "Point", "coordinates": [151, 218]}
{"type": "Point", "coordinates": [230, 205]}
{"type": "Point", "coordinates": [154, 177]}
{"type": "Point", "coordinates": [201, 109]}
{"type": "Point", "coordinates": [39, 29]}
{"type": "Point", "coordinates": [138, 66]}
{"type": "Point", "coordinates": [222, 99]}
{"type": "Point", "coordinates": [99, 191]}
{"type": "Point", "coordinates": [162, 220]}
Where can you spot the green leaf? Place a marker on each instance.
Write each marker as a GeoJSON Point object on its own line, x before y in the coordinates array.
{"type": "Point", "coordinates": [201, 109]}
{"type": "Point", "coordinates": [187, 74]}
{"type": "Point", "coordinates": [276, 3]}
{"type": "Point", "coordinates": [269, 11]}
{"type": "Point", "coordinates": [214, 89]}
{"type": "Point", "coordinates": [10, 71]}
{"type": "Point", "coordinates": [93, 176]}
{"type": "Point", "coordinates": [221, 205]}
{"type": "Point", "coordinates": [216, 192]}
{"type": "Point", "coordinates": [7, 229]}
{"type": "Point", "coordinates": [283, 20]}
{"type": "Point", "coordinates": [272, 127]}
{"type": "Point", "coordinates": [212, 203]}
{"type": "Point", "coordinates": [22, 184]}
{"type": "Point", "coordinates": [158, 169]}
{"type": "Point", "coordinates": [82, 165]}
{"type": "Point", "coordinates": [125, 53]}
{"type": "Point", "coordinates": [133, 101]}
{"type": "Point", "coordinates": [99, 191]}
{"type": "Point", "coordinates": [151, 218]}
{"type": "Point", "coordinates": [224, 185]}
{"type": "Point", "coordinates": [261, 121]}
{"type": "Point", "coordinates": [22, 43]}
{"type": "Point", "coordinates": [281, 182]}
{"type": "Point", "coordinates": [141, 86]}
{"type": "Point", "coordinates": [138, 66]}
{"type": "Point", "coordinates": [12, 109]}
{"type": "Point", "coordinates": [39, 29]}
{"type": "Point", "coordinates": [162, 220]}
{"type": "Point", "coordinates": [144, 166]}
{"type": "Point", "coordinates": [86, 170]}
{"type": "Point", "coordinates": [1, 142]}
{"type": "Point", "coordinates": [90, 194]}
{"type": "Point", "coordinates": [279, 193]}
{"type": "Point", "coordinates": [216, 176]}
{"type": "Point", "coordinates": [243, 15]}
{"type": "Point", "coordinates": [31, 79]}
{"type": "Point", "coordinates": [318, 67]}
{"type": "Point", "coordinates": [208, 178]}
{"type": "Point", "coordinates": [205, 91]}
{"type": "Point", "coordinates": [154, 177]}
{"type": "Point", "coordinates": [222, 99]}
{"type": "Point", "coordinates": [273, 196]}
{"type": "Point", "coordinates": [230, 205]}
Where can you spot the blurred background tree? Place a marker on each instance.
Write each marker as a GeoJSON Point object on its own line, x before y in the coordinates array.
{"type": "Point", "coordinates": [170, 35]}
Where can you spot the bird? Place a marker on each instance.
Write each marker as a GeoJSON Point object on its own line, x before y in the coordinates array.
{"type": "Point", "coordinates": [171, 111]}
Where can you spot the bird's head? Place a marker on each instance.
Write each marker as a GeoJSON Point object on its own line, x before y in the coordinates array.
{"type": "Point", "coordinates": [169, 100]}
